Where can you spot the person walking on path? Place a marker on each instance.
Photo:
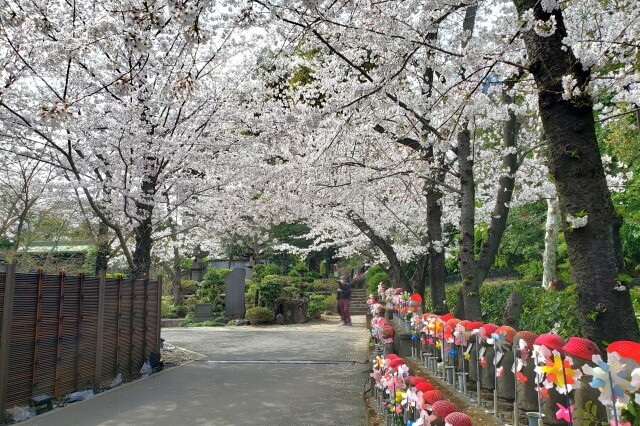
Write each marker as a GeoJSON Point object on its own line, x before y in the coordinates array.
{"type": "Point", "coordinates": [344, 299]}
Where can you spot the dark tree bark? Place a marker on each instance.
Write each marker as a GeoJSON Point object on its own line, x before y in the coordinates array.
{"type": "Point", "coordinates": [143, 232]}
{"type": "Point", "coordinates": [103, 249]}
{"type": "Point", "coordinates": [420, 276]}
{"type": "Point", "coordinates": [436, 250]}
{"type": "Point", "coordinates": [605, 314]}
{"type": "Point", "coordinates": [475, 270]}
{"type": "Point", "coordinates": [503, 198]}
{"type": "Point", "coordinates": [177, 277]}
{"type": "Point", "coordinates": [470, 286]}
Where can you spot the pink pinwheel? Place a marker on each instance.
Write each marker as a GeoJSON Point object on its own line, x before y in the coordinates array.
{"type": "Point", "coordinates": [377, 376]}
{"type": "Point", "coordinates": [564, 413]}
{"type": "Point", "coordinates": [394, 384]}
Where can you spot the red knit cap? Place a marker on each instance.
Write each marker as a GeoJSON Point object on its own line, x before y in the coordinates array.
{"type": "Point", "coordinates": [550, 341]}
{"type": "Point", "coordinates": [446, 317]}
{"type": "Point", "coordinates": [430, 397]}
{"type": "Point", "coordinates": [465, 324]}
{"type": "Point", "coordinates": [626, 349]}
{"type": "Point", "coordinates": [388, 331]}
{"type": "Point", "coordinates": [424, 387]}
{"type": "Point", "coordinates": [582, 348]}
{"type": "Point", "coordinates": [396, 362]}
{"type": "Point", "coordinates": [391, 356]}
{"type": "Point", "coordinates": [472, 325]}
{"type": "Point", "coordinates": [458, 419]}
{"type": "Point", "coordinates": [443, 408]}
{"type": "Point", "coordinates": [489, 329]}
{"type": "Point", "coordinates": [416, 379]}
{"type": "Point", "coordinates": [528, 336]}
{"type": "Point", "coordinates": [509, 332]}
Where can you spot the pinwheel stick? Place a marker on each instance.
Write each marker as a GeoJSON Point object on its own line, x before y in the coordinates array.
{"type": "Point", "coordinates": [538, 383]}
{"type": "Point", "coordinates": [495, 378]}
{"type": "Point", "coordinates": [516, 355]}
{"type": "Point", "coordinates": [613, 399]}
{"type": "Point", "coordinates": [566, 390]}
{"type": "Point", "coordinates": [479, 380]}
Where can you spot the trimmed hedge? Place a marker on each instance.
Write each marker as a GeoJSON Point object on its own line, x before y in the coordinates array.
{"type": "Point", "coordinates": [260, 315]}
{"type": "Point", "coordinates": [542, 310]}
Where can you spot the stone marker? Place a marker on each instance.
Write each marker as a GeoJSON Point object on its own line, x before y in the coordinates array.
{"type": "Point", "coordinates": [298, 311]}
{"type": "Point", "coordinates": [280, 319]}
{"type": "Point", "coordinates": [234, 293]}
{"type": "Point", "coordinates": [221, 320]}
{"type": "Point", "coordinates": [203, 311]}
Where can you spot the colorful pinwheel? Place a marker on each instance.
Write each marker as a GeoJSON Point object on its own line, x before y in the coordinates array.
{"type": "Point", "coordinates": [564, 381]}
{"type": "Point", "coordinates": [610, 378]}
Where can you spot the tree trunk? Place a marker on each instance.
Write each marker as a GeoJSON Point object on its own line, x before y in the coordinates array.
{"type": "Point", "coordinates": [396, 273]}
{"type": "Point", "coordinates": [503, 197]}
{"type": "Point", "coordinates": [470, 287]}
{"type": "Point", "coordinates": [102, 253]}
{"type": "Point", "coordinates": [143, 232]}
{"type": "Point", "coordinates": [177, 277]}
{"type": "Point", "coordinates": [420, 276]}
{"type": "Point", "coordinates": [606, 315]}
{"type": "Point", "coordinates": [436, 250]}
{"type": "Point", "coordinates": [550, 243]}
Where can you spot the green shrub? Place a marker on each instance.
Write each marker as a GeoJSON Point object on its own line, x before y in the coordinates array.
{"type": "Point", "coordinates": [270, 289]}
{"type": "Point", "coordinates": [531, 270]}
{"type": "Point", "coordinates": [542, 309]}
{"type": "Point", "coordinates": [552, 309]}
{"type": "Point", "coordinates": [166, 306]}
{"type": "Point", "coordinates": [260, 271]}
{"type": "Point", "coordinates": [325, 284]}
{"type": "Point", "coordinates": [181, 311]}
{"type": "Point", "coordinates": [299, 269]}
{"type": "Point", "coordinates": [290, 293]}
{"type": "Point", "coordinates": [191, 302]}
{"type": "Point", "coordinates": [316, 306]}
{"type": "Point", "coordinates": [260, 315]}
{"type": "Point", "coordinates": [189, 287]}
{"type": "Point", "coordinates": [635, 300]}
{"type": "Point", "coordinates": [375, 276]}
{"type": "Point", "coordinates": [300, 281]}
{"type": "Point", "coordinates": [330, 302]}
{"type": "Point", "coordinates": [212, 286]}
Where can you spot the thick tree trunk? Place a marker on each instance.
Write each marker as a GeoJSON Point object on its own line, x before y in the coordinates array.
{"type": "Point", "coordinates": [550, 243]}
{"type": "Point", "coordinates": [102, 253]}
{"type": "Point", "coordinates": [470, 287]}
{"type": "Point", "coordinates": [436, 250]}
{"type": "Point", "coordinates": [606, 315]}
{"type": "Point", "coordinates": [143, 232]}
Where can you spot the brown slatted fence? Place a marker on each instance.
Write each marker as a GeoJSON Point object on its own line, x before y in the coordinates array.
{"type": "Point", "coordinates": [63, 333]}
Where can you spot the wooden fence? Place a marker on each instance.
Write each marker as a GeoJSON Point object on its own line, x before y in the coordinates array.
{"type": "Point", "coordinates": [59, 333]}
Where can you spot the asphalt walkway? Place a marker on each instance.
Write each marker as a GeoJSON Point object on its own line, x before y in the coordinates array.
{"type": "Point", "coordinates": [311, 374]}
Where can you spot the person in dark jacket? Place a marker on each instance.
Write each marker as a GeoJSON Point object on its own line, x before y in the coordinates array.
{"type": "Point", "coordinates": [344, 299]}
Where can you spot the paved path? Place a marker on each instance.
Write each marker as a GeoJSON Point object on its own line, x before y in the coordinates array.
{"type": "Point", "coordinates": [270, 375]}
